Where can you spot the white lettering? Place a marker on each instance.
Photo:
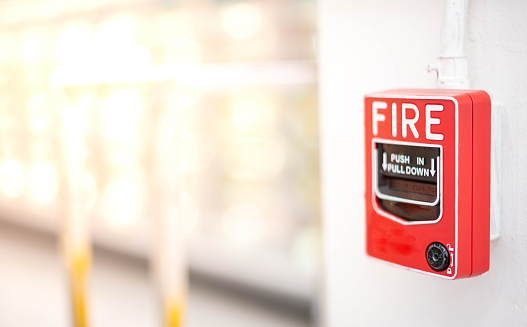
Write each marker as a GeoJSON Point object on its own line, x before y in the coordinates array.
{"type": "Point", "coordinates": [394, 119]}
{"type": "Point", "coordinates": [400, 158]}
{"type": "Point", "coordinates": [409, 122]}
{"type": "Point", "coordinates": [376, 116]}
{"type": "Point", "coordinates": [407, 170]}
{"type": "Point", "coordinates": [432, 121]}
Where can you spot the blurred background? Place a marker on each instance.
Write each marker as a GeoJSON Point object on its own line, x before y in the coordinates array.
{"type": "Point", "coordinates": [234, 83]}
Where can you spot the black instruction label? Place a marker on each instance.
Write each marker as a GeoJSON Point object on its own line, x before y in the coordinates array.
{"type": "Point", "coordinates": [409, 162]}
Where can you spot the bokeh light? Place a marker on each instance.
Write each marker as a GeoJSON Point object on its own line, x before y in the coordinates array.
{"type": "Point", "coordinates": [241, 20]}
{"type": "Point", "coordinates": [121, 113]}
{"type": "Point", "coordinates": [76, 44]}
{"type": "Point", "coordinates": [119, 31]}
{"type": "Point", "coordinates": [252, 115]}
{"type": "Point", "coordinates": [12, 178]}
{"type": "Point", "coordinates": [40, 110]}
{"type": "Point", "coordinates": [43, 182]}
{"type": "Point", "coordinates": [123, 199]}
{"type": "Point", "coordinates": [123, 63]}
{"type": "Point", "coordinates": [32, 45]}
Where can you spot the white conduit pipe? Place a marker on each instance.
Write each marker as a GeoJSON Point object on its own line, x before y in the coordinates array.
{"type": "Point", "coordinates": [452, 72]}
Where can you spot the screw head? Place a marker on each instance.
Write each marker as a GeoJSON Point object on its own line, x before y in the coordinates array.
{"type": "Point", "coordinates": [437, 256]}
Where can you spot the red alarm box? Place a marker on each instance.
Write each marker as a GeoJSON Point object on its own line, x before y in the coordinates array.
{"type": "Point", "coordinates": [428, 180]}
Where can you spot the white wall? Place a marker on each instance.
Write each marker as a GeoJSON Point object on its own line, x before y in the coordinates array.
{"type": "Point", "coordinates": [368, 46]}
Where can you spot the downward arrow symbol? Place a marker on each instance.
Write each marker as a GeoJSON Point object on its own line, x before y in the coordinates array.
{"type": "Point", "coordinates": [384, 155]}
{"type": "Point", "coordinates": [432, 170]}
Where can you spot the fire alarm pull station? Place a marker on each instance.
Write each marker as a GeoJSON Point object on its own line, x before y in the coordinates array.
{"type": "Point", "coordinates": [428, 180]}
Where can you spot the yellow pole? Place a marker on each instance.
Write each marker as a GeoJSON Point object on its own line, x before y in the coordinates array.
{"type": "Point", "coordinates": [78, 274]}
{"type": "Point", "coordinates": [170, 260]}
{"type": "Point", "coordinates": [174, 312]}
{"type": "Point", "coordinates": [76, 247]}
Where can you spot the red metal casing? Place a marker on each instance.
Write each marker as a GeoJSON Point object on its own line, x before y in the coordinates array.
{"type": "Point", "coordinates": [463, 179]}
